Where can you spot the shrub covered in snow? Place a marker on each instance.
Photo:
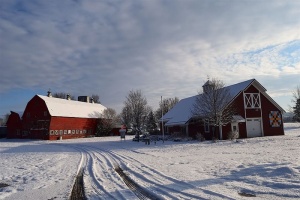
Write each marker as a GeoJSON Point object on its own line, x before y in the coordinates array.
{"type": "Point", "coordinates": [200, 137]}
{"type": "Point", "coordinates": [232, 135]}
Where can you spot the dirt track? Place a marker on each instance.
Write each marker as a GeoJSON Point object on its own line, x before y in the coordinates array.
{"type": "Point", "coordinates": [78, 189]}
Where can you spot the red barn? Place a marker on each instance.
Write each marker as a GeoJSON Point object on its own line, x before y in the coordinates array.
{"type": "Point", "coordinates": [257, 114]}
{"type": "Point", "coordinates": [14, 125]}
{"type": "Point", "coordinates": [51, 118]}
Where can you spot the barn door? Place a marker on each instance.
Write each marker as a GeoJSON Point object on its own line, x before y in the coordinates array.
{"type": "Point", "coordinates": [254, 127]}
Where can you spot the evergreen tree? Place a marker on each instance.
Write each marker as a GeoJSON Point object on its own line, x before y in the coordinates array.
{"type": "Point", "coordinates": [297, 110]}
{"type": "Point", "coordinates": [296, 101]}
{"type": "Point", "coordinates": [151, 122]}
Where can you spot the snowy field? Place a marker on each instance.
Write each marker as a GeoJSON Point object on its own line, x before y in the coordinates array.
{"type": "Point", "coordinates": [268, 168]}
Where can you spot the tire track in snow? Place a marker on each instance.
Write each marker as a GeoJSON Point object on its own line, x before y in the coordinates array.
{"type": "Point", "coordinates": [148, 182]}
{"type": "Point", "coordinates": [105, 156]}
{"type": "Point", "coordinates": [175, 186]}
{"type": "Point", "coordinates": [91, 178]}
{"type": "Point", "coordinates": [157, 180]}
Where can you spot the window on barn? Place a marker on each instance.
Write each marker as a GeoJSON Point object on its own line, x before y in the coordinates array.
{"type": "Point", "coordinates": [28, 115]}
{"type": "Point", "coordinates": [206, 126]}
{"type": "Point", "coordinates": [252, 100]}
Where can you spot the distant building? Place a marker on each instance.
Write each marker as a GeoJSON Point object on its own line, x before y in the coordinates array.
{"type": "Point", "coordinates": [258, 114]}
{"type": "Point", "coordinates": [49, 118]}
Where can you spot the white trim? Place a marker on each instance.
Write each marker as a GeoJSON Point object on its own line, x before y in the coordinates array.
{"type": "Point", "coordinates": [262, 119]}
{"type": "Point", "coordinates": [252, 100]}
{"type": "Point", "coordinates": [236, 124]}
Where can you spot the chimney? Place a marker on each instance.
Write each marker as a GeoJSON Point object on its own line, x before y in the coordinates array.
{"type": "Point", "coordinates": [68, 97]}
{"type": "Point", "coordinates": [49, 93]}
{"type": "Point", "coordinates": [84, 99]}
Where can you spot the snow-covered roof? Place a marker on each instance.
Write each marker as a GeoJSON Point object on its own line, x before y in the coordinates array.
{"type": "Point", "coordinates": [182, 111]}
{"type": "Point", "coordinates": [69, 108]}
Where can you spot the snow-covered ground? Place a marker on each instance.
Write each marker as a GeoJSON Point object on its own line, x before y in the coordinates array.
{"type": "Point", "coordinates": [267, 167]}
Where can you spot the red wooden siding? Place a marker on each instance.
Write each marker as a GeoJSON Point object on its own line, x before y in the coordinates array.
{"type": "Point", "coordinates": [267, 107]}
{"type": "Point", "coordinates": [71, 127]}
{"type": "Point", "coordinates": [14, 126]}
{"type": "Point", "coordinates": [36, 119]}
{"type": "Point", "coordinates": [251, 89]}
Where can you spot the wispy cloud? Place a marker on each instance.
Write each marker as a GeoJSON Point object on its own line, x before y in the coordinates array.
{"type": "Point", "coordinates": [162, 47]}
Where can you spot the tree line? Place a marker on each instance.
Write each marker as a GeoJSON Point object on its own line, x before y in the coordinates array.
{"type": "Point", "coordinates": [136, 114]}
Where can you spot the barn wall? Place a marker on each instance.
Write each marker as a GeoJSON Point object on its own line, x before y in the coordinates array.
{"type": "Point", "coordinates": [267, 107]}
{"type": "Point", "coordinates": [251, 89]}
{"type": "Point", "coordinates": [36, 120]}
{"type": "Point", "coordinates": [239, 105]}
{"type": "Point", "coordinates": [14, 126]}
{"type": "Point", "coordinates": [69, 127]}
{"type": "Point", "coordinates": [225, 131]}
{"type": "Point", "coordinates": [174, 129]}
{"type": "Point", "coordinates": [195, 128]}
{"type": "Point", "coordinates": [242, 130]}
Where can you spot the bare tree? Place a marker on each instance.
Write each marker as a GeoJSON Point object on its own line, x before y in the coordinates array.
{"type": "Point", "coordinates": [4, 119]}
{"type": "Point", "coordinates": [96, 98]}
{"type": "Point", "coordinates": [125, 117]}
{"type": "Point", "coordinates": [166, 105]}
{"type": "Point", "coordinates": [135, 110]}
{"type": "Point", "coordinates": [213, 105]}
{"type": "Point", "coordinates": [63, 95]}
{"type": "Point", "coordinates": [296, 101]}
{"type": "Point", "coordinates": [106, 122]}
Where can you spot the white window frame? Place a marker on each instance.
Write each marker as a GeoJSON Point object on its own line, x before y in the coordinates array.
{"type": "Point", "coordinates": [252, 100]}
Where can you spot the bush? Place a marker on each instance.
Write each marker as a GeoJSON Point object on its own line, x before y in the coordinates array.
{"type": "Point", "coordinates": [200, 137]}
{"type": "Point", "coordinates": [232, 135]}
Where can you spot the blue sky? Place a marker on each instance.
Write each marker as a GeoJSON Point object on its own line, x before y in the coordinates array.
{"type": "Point", "coordinates": [164, 48]}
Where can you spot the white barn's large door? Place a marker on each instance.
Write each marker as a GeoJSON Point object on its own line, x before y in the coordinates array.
{"type": "Point", "coordinates": [254, 127]}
